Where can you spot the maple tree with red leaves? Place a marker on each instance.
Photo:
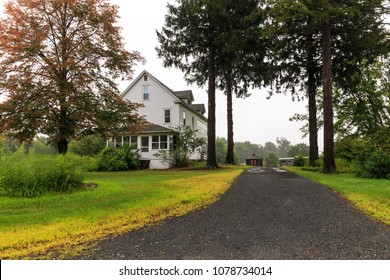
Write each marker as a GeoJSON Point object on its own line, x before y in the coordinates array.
{"type": "Point", "coordinates": [59, 60]}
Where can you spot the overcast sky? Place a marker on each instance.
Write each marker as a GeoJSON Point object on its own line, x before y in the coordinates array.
{"type": "Point", "coordinates": [256, 119]}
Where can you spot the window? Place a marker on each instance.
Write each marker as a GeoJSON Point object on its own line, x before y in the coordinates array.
{"type": "Point", "coordinates": [130, 141]}
{"type": "Point", "coordinates": [160, 142]}
{"type": "Point", "coordinates": [163, 142]}
{"type": "Point", "coordinates": [146, 94]}
{"type": "Point", "coordinates": [155, 142]}
{"type": "Point", "coordinates": [193, 123]}
{"type": "Point", "coordinates": [184, 118]}
{"type": "Point", "coordinates": [145, 144]}
{"type": "Point", "coordinates": [145, 78]}
{"type": "Point", "coordinates": [126, 140]}
{"type": "Point", "coordinates": [133, 142]}
{"type": "Point", "coordinates": [167, 116]}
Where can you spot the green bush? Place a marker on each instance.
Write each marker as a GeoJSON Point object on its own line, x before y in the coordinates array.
{"type": "Point", "coordinates": [345, 166]}
{"type": "Point", "coordinates": [374, 163]}
{"type": "Point", "coordinates": [349, 147]}
{"type": "Point", "coordinates": [89, 145]}
{"type": "Point", "coordinates": [118, 159]}
{"type": "Point", "coordinates": [299, 161]}
{"type": "Point", "coordinates": [271, 160]}
{"type": "Point", "coordinates": [33, 175]}
{"type": "Point", "coordinates": [89, 164]}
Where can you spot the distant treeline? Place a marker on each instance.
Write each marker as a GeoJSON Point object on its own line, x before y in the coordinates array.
{"type": "Point", "coordinates": [243, 150]}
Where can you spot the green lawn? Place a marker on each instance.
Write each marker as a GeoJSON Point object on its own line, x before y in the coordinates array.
{"type": "Point", "coordinates": [369, 195]}
{"type": "Point", "coordinates": [123, 201]}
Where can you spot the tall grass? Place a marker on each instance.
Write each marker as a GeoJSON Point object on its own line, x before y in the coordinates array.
{"type": "Point", "coordinates": [34, 175]}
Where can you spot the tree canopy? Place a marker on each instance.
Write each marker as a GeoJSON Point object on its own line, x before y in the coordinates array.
{"type": "Point", "coordinates": [189, 41]}
{"type": "Point", "coordinates": [332, 39]}
{"type": "Point", "coordinates": [214, 42]}
{"type": "Point", "coordinates": [59, 60]}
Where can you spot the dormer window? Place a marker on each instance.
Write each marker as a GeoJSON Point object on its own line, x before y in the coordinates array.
{"type": "Point", "coordinates": [146, 92]}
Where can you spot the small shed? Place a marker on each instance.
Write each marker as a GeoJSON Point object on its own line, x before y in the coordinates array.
{"type": "Point", "coordinates": [254, 161]}
{"type": "Point", "coordinates": [286, 161]}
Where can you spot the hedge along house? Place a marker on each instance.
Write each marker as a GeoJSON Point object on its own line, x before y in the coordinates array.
{"type": "Point", "coordinates": [164, 110]}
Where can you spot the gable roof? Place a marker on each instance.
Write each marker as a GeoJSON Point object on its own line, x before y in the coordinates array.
{"type": "Point", "coordinates": [181, 96]}
{"type": "Point", "coordinates": [255, 157]}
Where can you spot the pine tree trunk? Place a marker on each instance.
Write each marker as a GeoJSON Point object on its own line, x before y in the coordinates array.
{"type": "Point", "coordinates": [230, 141]}
{"type": "Point", "coordinates": [329, 162]}
{"type": "Point", "coordinates": [311, 88]}
{"type": "Point", "coordinates": [211, 150]}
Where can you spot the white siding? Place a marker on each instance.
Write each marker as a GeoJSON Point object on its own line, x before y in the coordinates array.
{"type": "Point", "coordinates": [160, 99]}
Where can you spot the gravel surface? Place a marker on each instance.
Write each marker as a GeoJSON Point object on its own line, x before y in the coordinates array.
{"type": "Point", "coordinates": [267, 214]}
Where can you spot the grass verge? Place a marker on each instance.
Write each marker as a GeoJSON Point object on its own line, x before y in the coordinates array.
{"type": "Point", "coordinates": [369, 195]}
{"type": "Point", "coordinates": [40, 228]}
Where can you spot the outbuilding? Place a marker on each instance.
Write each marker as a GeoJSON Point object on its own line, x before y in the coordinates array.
{"type": "Point", "coordinates": [254, 161]}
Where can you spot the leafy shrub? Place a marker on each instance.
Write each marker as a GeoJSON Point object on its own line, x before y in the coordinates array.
{"type": "Point", "coordinates": [271, 160]}
{"type": "Point", "coordinates": [374, 163]}
{"type": "Point", "coordinates": [90, 145]}
{"type": "Point", "coordinates": [345, 166]}
{"type": "Point", "coordinates": [118, 159]}
{"type": "Point", "coordinates": [42, 145]}
{"type": "Point", "coordinates": [349, 147]}
{"type": "Point", "coordinates": [374, 160]}
{"type": "Point", "coordinates": [185, 143]}
{"type": "Point", "coordinates": [89, 164]}
{"type": "Point", "coordinates": [33, 175]}
{"type": "Point", "coordinates": [299, 161]}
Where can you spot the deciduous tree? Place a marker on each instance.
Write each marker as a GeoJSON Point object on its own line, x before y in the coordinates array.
{"type": "Point", "coordinates": [58, 63]}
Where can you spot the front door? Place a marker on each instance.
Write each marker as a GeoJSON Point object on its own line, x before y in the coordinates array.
{"type": "Point", "coordinates": [145, 147]}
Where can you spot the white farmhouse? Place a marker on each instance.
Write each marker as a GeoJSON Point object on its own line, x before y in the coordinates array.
{"type": "Point", "coordinates": [164, 110]}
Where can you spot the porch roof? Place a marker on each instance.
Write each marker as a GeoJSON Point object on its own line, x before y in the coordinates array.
{"type": "Point", "coordinates": [154, 128]}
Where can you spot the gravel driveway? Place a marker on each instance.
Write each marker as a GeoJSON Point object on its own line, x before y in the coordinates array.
{"type": "Point", "coordinates": [267, 214]}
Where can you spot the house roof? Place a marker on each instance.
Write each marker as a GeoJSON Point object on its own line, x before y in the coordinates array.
{"type": "Point", "coordinates": [185, 94]}
{"type": "Point", "coordinates": [199, 108]}
{"type": "Point", "coordinates": [154, 128]}
{"type": "Point", "coordinates": [180, 95]}
{"type": "Point", "coordinates": [254, 157]}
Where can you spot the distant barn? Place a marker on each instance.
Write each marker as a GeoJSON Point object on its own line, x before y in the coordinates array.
{"type": "Point", "coordinates": [254, 161]}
